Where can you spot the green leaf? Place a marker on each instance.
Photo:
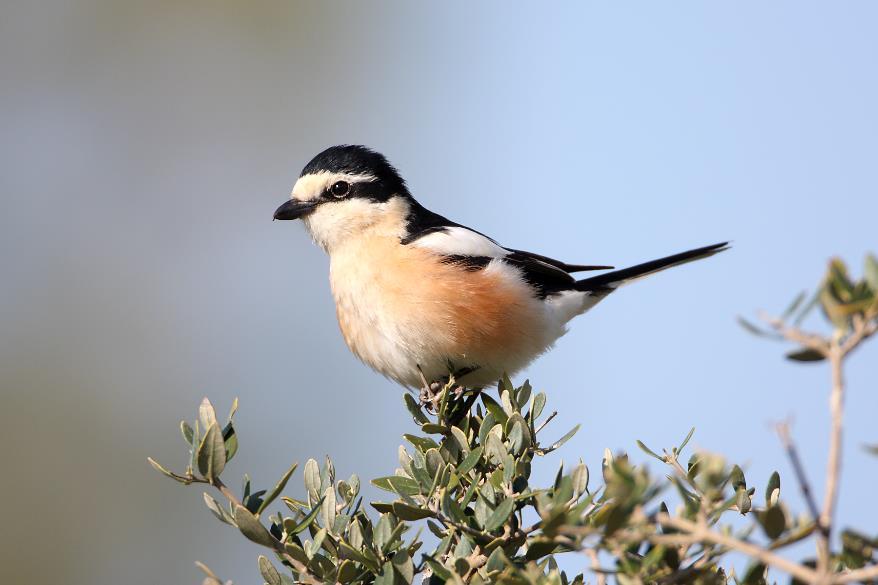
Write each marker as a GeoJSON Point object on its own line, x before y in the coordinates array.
{"type": "Point", "coordinates": [743, 500]}
{"type": "Point", "coordinates": [277, 489]}
{"type": "Point", "coordinates": [403, 486]}
{"type": "Point", "coordinates": [233, 409]}
{"type": "Point", "coordinates": [434, 429]}
{"type": "Point", "coordinates": [382, 507]}
{"type": "Point", "coordinates": [806, 310]}
{"type": "Point", "coordinates": [206, 413]}
{"type": "Point", "coordinates": [422, 443]}
{"type": "Point", "coordinates": [524, 393]}
{"type": "Point", "coordinates": [506, 402]}
{"type": "Point", "coordinates": [230, 440]}
{"type": "Point", "coordinates": [250, 527]}
{"type": "Point", "coordinates": [580, 479]}
{"type": "Point", "coordinates": [773, 521]}
{"type": "Point", "coordinates": [564, 439]}
{"type": "Point", "coordinates": [218, 510]}
{"type": "Point", "coordinates": [470, 460]}
{"type": "Point", "coordinates": [495, 451]}
{"type": "Point", "coordinates": [500, 515]}
{"type": "Point", "coordinates": [487, 424]}
{"type": "Point", "coordinates": [871, 272]}
{"type": "Point", "coordinates": [495, 409]}
{"type": "Point", "coordinates": [402, 564]}
{"type": "Point", "coordinates": [212, 453]}
{"type": "Point", "coordinates": [268, 572]}
{"type": "Point", "coordinates": [649, 451]}
{"type": "Point", "coordinates": [537, 409]}
{"type": "Point", "coordinates": [312, 479]}
{"type": "Point", "coordinates": [736, 478]}
{"type": "Point", "coordinates": [193, 451]}
{"type": "Point", "coordinates": [347, 571]}
{"type": "Point", "coordinates": [158, 467]}
{"type": "Point", "coordinates": [773, 486]}
{"type": "Point", "coordinates": [382, 532]}
{"type": "Point", "coordinates": [753, 329]}
{"type": "Point", "coordinates": [805, 355]}
{"type": "Point", "coordinates": [358, 556]}
{"type": "Point", "coordinates": [404, 511]}
{"type": "Point", "coordinates": [497, 561]}
{"type": "Point", "coordinates": [306, 521]}
{"type": "Point", "coordinates": [439, 570]}
{"type": "Point", "coordinates": [755, 575]}
{"type": "Point", "coordinates": [461, 439]}
{"type": "Point", "coordinates": [314, 546]}
{"type": "Point", "coordinates": [187, 432]}
{"type": "Point", "coordinates": [415, 409]}
{"type": "Point", "coordinates": [328, 507]}
{"type": "Point", "coordinates": [686, 440]}
{"type": "Point", "coordinates": [794, 305]}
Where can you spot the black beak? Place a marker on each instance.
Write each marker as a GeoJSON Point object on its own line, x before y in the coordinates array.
{"type": "Point", "coordinates": [294, 209]}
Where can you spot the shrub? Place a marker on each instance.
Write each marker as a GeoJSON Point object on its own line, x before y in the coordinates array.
{"type": "Point", "coordinates": [467, 476]}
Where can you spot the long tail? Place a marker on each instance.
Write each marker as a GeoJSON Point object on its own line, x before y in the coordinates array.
{"type": "Point", "coordinates": [606, 283]}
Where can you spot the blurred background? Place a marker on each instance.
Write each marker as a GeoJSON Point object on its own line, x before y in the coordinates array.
{"type": "Point", "coordinates": [146, 144]}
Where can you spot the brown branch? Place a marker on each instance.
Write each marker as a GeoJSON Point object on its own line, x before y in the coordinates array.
{"type": "Point", "coordinates": [700, 532]}
{"type": "Point", "coordinates": [810, 340]}
{"type": "Point", "coordinates": [864, 574]}
{"type": "Point", "coordinates": [230, 496]}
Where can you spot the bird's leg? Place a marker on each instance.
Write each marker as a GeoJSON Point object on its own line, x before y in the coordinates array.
{"type": "Point", "coordinates": [428, 392]}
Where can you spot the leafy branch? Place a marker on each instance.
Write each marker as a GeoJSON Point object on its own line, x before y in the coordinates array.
{"type": "Point", "coordinates": [465, 475]}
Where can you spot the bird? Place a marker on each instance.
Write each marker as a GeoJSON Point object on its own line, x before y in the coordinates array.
{"type": "Point", "coordinates": [420, 298]}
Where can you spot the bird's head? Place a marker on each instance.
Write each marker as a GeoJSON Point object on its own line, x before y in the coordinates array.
{"type": "Point", "coordinates": [346, 192]}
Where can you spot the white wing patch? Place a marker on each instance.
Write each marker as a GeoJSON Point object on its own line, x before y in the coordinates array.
{"type": "Point", "coordinates": [459, 241]}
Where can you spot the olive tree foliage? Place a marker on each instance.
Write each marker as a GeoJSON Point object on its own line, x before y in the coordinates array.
{"type": "Point", "coordinates": [465, 475]}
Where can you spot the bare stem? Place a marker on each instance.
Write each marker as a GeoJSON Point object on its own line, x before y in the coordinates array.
{"type": "Point", "coordinates": [230, 496]}
{"type": "Point", "coordinates": [833, 463]}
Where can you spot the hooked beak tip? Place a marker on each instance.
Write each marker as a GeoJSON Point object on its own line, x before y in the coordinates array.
{"type": "Point", "coordinates": [293, 209]}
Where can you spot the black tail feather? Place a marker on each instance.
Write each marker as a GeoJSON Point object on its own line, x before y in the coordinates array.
{"type": "Point", "coordinates": [611, 280]}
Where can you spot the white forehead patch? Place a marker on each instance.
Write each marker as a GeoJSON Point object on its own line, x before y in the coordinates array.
{"type": "Point", "coordinates": [311, 186]}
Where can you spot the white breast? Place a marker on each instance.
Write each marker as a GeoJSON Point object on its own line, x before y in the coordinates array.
{"type": "Point", "coordinates": [400, 307]}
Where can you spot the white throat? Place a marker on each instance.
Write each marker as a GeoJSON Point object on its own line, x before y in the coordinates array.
{"type": "Point", "coordinates": [335, 224]}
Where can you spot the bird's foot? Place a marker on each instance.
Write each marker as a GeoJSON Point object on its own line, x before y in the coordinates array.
{"type": "Point", "coordinates": [429, 395]}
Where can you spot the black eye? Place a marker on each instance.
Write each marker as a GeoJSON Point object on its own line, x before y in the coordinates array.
{"type": "Point", "coordinates": [340, 189]}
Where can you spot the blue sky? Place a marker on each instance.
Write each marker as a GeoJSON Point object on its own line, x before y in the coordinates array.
{"type": "Point", "coordinates": [148, 143]}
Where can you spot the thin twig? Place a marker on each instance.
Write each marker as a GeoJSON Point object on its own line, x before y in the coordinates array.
{"type": "Point", "coordinates": [545, 422]}
{"type": "Point", "coordinates": [863, 327]}
{"type": "Point", "coordinates": [783, 431]}
{"type": "Point", "coordinates": [596, 566]}
{"type": "Point", "coordinates": [230, 496]}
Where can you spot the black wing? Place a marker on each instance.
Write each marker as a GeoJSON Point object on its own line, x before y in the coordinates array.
{"type": "Point", "coordinates": [546, 274]}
